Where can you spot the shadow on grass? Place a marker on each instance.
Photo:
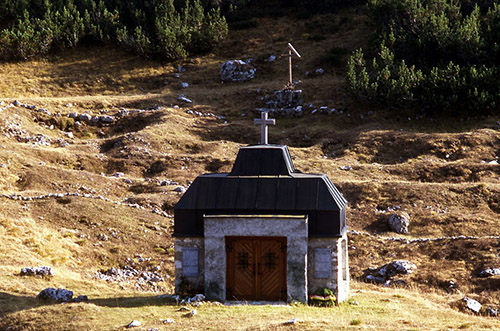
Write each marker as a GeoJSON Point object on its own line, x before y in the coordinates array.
{"type": "Point", "coordinates": [135, 301]}
{"type": "Point", "coordinates": [11, 303]}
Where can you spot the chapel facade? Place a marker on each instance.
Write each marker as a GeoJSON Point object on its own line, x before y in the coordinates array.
{"type": "Point", "coordinates": [264, 231]}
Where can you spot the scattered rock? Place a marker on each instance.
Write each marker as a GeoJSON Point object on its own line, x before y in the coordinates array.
{"type": "Point", "coordinates": [167, 321]}
{"type": "Point", "coordinates": [37, 271]}
{"type": "Point", "coordinates": [399, 222]}
{"type": "Point", "coordinates": [69, 105]}
{"type": "Point", "coordinates": [134, 323]}
{"type": "Point", "coordinates": [472, 304]}
{"type": "Point", "coordinates": [118, 174]}
{"type": "Point", "coordinates": [290, 322]}
{"type": "Point", "coordinates": [16, 103]}
{"type": "Point", "coordinates": [489, 272]}
{"type": "Point", "coordinates": [55, 295]}
{"type": "Point", "coordinates": [183, 308]}
{"type": "Point", "coordinates": [347, 167]}
{"type": "Point", "coordinates": [237, 71]}
{"type": "Point", "coordinates": [181, 69]}
{"type": "Point", "coordinates": [184, 85]}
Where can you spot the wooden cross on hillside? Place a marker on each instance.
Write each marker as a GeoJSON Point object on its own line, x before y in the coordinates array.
{"type": "Point", "coordinates": [291, 51]}
{"type": "Point", "coordinates": [263, 121]}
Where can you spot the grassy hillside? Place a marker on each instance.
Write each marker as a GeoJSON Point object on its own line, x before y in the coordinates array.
{"type": "Point", "coordinates": [438, 169]}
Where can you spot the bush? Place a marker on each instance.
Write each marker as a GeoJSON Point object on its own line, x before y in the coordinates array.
{"type": "Point", "coordinates": [434, 54]}
{"type": "Point", "coordinates": [153, 28]}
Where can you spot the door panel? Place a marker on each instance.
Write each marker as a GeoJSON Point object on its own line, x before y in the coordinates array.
{"type": "Point", "coordinates": [256, 268]}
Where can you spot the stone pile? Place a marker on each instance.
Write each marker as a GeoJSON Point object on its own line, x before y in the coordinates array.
{"type": "Point", "coordinates": [237, 71]}
{"type": "Point", "coordinates": [144, 279]}
{"type": "Point", "coordinates": [37, 271]}
{"type": "Point", "coordinates": [385, 273]}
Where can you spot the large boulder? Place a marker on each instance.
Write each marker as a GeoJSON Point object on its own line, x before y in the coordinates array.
{"type": "Point", "coordinates": [237, 71]}
{"type": "Point", "coordinates": [55, 295]}
{"type": "Point", "coordinates": [399, 222]}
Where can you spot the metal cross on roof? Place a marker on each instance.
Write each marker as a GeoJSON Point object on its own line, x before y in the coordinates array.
{"type": "Point", "coordinates": [263, 121]}
{"type": "Point", "coordinates": [291, 51]}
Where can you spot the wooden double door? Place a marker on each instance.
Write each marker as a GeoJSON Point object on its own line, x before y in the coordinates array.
{"type": "Point", "coordinates": [256, 268]}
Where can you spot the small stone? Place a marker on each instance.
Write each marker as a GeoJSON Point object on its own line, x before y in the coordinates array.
{"type": "Point", "coordinates": [347, 167]}
{"type": "Point", "coordinates": [354, 303]}
{"type": "Point", "coordinates": [184, 85]}
{"type": "Point", "coordinates": [472, 304]}
{"type": "Point", "coordinates": [181, 69]}
{"type": "Point", "coordinates": [118, 174]}
{"type": "Point", "coordinates": [107, 119]}
{"type": "Point", "coordinates": [69, 134]}
{"type": "Point", "coordinates": [491, 312]}
{"type": "Point", "coordinates": [198, 297]}
{"type": "Point", "coordinates": [134, 323]}
{"type": "Point", "coordinates": [290, 322]}
{"type": "Point", "coordinates": [192, 313]}
{"type": "Point", "coordinates": [183, 98]}
{"type": "Point", "coordinates": [95, 119]}
{"type": "Point", "coordinates": [85, 117]}
{"type": "Point", "coordinates": [69, 105]}
{"type": "Point", "coordinates": [271, 58]}
{"type": "Point", "coordinates": [180, 189]}
{"type": "Point", "coordinates": [319, 71]}
{"type": "Point", "coordinates": [167, 321]}
{"type": "Point", "coordinates": [183, 308]}
{"type": "Point", "coordinates": [16, 103]}
{"type": "Point", "coordinates": [176, 75]}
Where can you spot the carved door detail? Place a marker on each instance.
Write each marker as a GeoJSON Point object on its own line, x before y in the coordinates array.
{"type": "Point", "coordinates": [256, 268]}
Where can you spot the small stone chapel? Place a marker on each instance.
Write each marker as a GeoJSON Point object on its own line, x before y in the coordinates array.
{"type": "Point", "coordinates": [264, 231]}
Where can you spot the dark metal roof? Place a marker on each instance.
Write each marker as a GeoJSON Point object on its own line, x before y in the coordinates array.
{"type": "Point", "coordinates": [262, 181]}
{"type": "Point", "coordinates": [263, 160]}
